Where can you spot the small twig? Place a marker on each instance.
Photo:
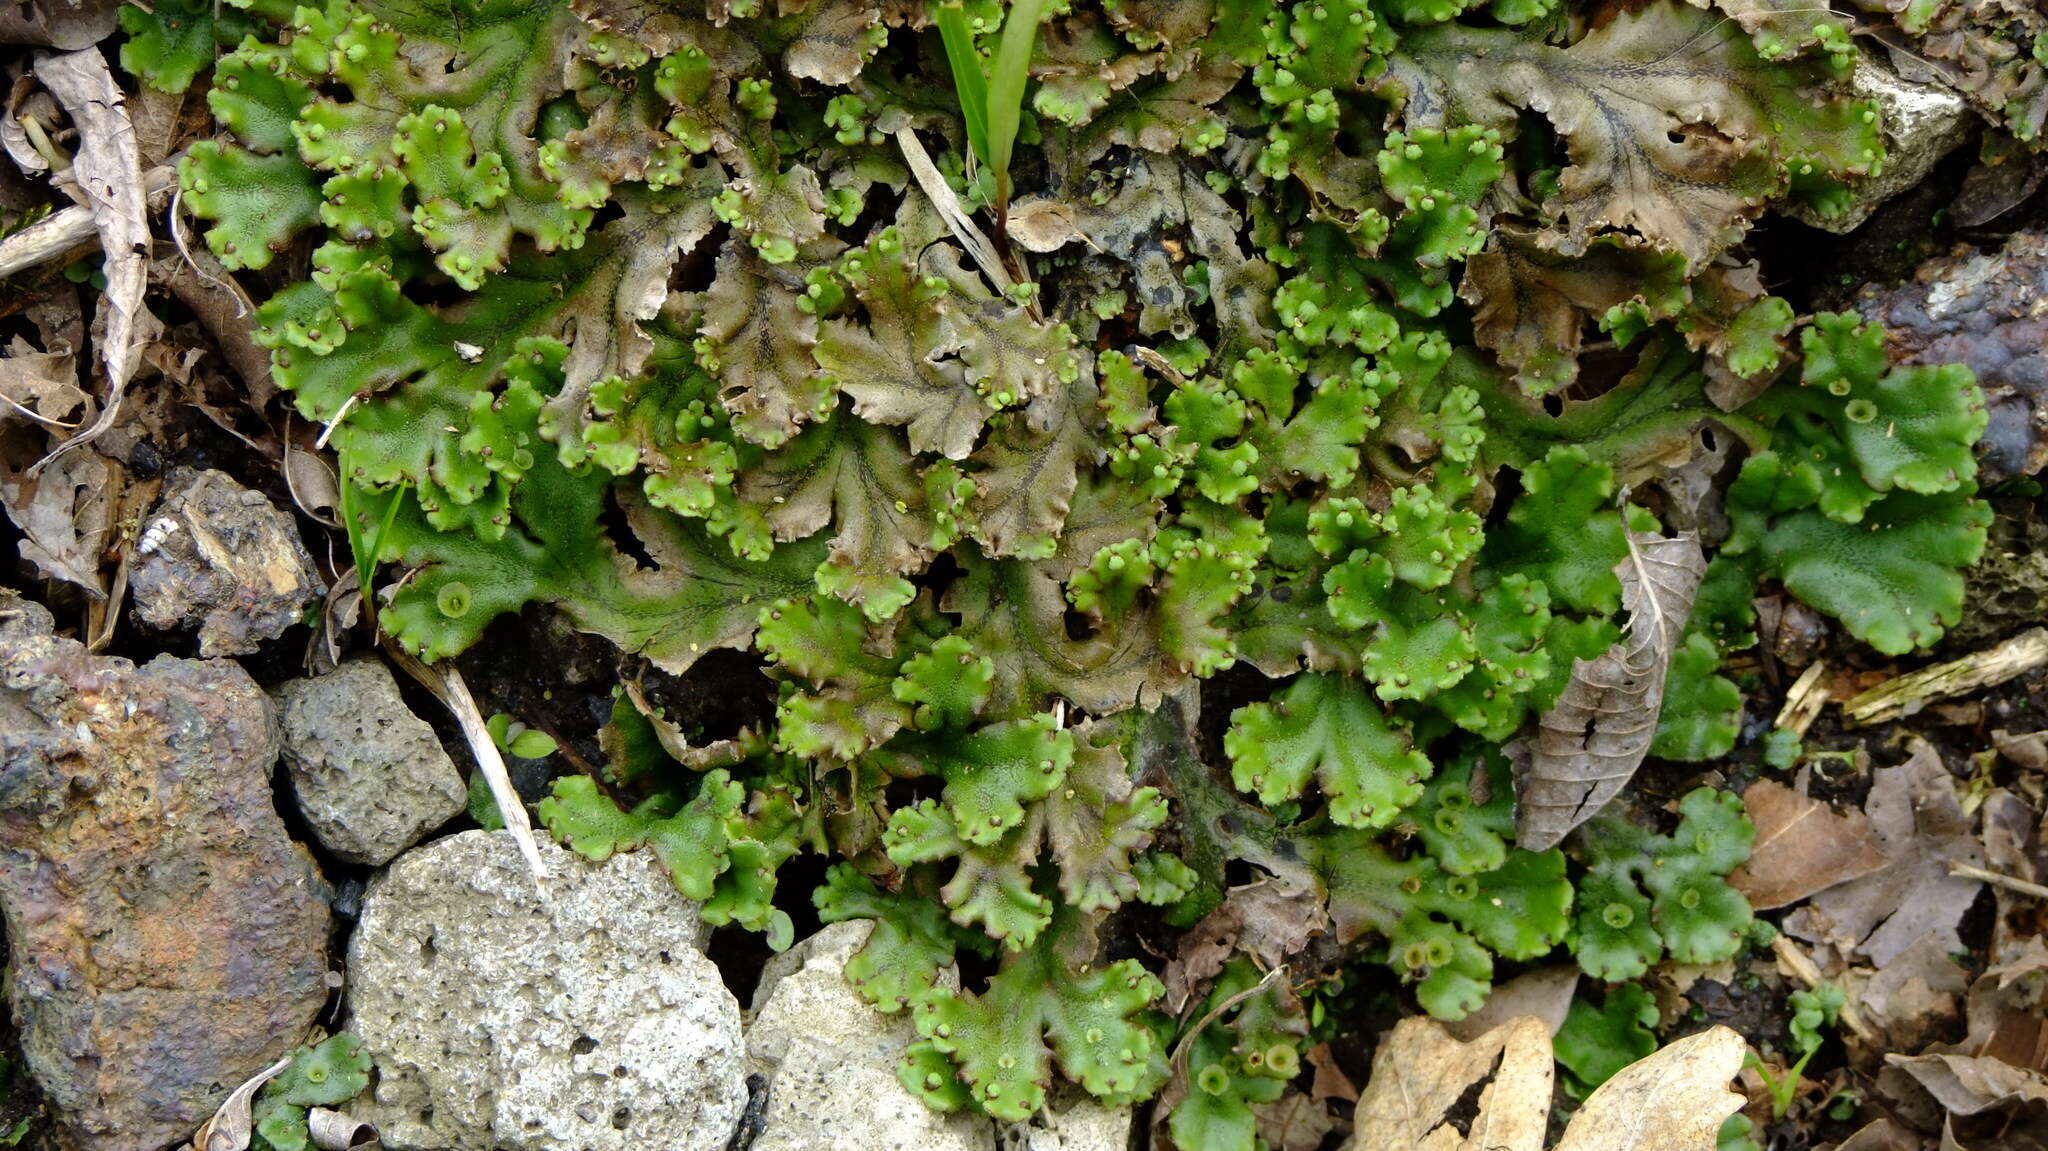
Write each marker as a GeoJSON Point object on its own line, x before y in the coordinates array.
{"type": "Point", "coordinates": [1999, 879]}
{"type": "Point", "coordinates": [38, 417]}
{"type": "Point", "coordinates": [963, 228]}
{"type": "Point", "coordinates": [447, 685]}
{"type": "Point", "coordinates": [1906, 695]}
{"type": "Point", "coordinates": [327, 429]}
{"type": "Point", "coordinates": [1805, 699]}
{"type": "Point", "coordinates": [234, 292]}
{"type": "Point", "coordinates": [1179, 1061]}
{"type": "Point", "coordinates": [59, 233]}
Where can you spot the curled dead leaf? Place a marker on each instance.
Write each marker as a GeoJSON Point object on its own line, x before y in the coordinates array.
{"type": "Point", "coordinates": [333, 1131]}
{"type": "Point", "coordinates": [313, 484]}
{"type": "Point", "coordinates": [231, 1126]}
{"type": "Point", "coordinates": [106, 176]}
{"type": "Point", "coordinates": [1422, 1077]}
{"type": "Point", "coordinates": [1589, 744]}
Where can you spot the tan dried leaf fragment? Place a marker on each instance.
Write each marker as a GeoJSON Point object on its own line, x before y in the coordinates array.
{"type": "Point", "coordinates": [106, 176]}
{"type": "Point", "coordinates": [1589, 745]}
{"type": "Point", "coordinates": [1672, 1100]}
{"type": "Point", "coordinates": [1420, 1073]}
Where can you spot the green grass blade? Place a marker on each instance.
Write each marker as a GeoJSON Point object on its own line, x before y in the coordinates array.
{"type": "Point", "coordinates": [968, 79]}
{"type": "Point", "coordinates": [1006, 85]}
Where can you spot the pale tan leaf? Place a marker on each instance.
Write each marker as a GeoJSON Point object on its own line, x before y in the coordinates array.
{"type": "Point", "coordinates": [1420, 1073]}
{"type": "Point", "coordinates": [837, 40]}
{"type": "Point", "coordinates": [1589, 744]}
{"type": "Point", "coordinates": [1673, 1100]}
{"type": "Point", "coordinates": [106, 177]}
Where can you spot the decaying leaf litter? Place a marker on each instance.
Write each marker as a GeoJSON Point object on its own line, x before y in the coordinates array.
{"type": "Point", "coordinates": [1894, 803]}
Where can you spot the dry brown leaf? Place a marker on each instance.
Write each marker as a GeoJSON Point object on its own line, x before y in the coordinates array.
{"type": "Point", "coordinates": [1674, 1100]}
{"type": "Point", "coordinates": [58, 23]}
{"type": "Point", "coordinates": [1916, 997]}
{"type": "Point", "coordinates": [1294, 1122]}
{"type": "Point", "coordinates": [1420, 1073]}
{"type": "Point", "coordinates": [1545, 993]}
{"type": "Point", "coordinates": [1589, 744]}
{"type": "Point", "coordinates": [40, 387]}
{"type": "Point", "coordinates": [1330, 1081]}
{"type": "Point", "coordinates": [106, 176]}
{"type": "Point", "coordinates": [2005, 1010]}
{"type": "Point", "coordinates": [1802, 846]}
{"type": "Point", "coordinates": [1970, 1084]}
{"type": "Point", "coordinates": [313, 485]}
{"type": "Point", "coordinates": [2027, 749]}
{"type": "Point", "coordinates": [1042, 225]}
{"type": "Point", "coordinates": [1269, 920]}
{"type": "Point", "coordinates": [1883, 1135]}
{"type": "Point", "coordinates": [66, 515]}
{"type": "Point", "coordinates": [1920, 824]}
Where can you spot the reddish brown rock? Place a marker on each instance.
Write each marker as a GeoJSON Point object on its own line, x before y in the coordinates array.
{"type": "Point", "coordinates": [168, 938]}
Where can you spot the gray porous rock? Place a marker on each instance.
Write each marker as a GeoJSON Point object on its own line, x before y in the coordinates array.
{"type": "Point", "coordinates": [830, 1060]}
{"type": "Point", "coordinates": [168, 939]}
{"type": "Point", "coordinates": [221, 560]}
{"type": "Point", "coordinates": [1922, 123]}
{"type": "Point", "coordinates": [1071, 1120]}
{"type": "Point", "coordinates": [371, 777]}
{"type": "Point", "coordinates": [581, 1018]}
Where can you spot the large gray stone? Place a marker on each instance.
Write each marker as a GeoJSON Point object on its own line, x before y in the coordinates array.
{"type": "Point", "coordinates": [830, 1061]}
{"type": "Point", "coordinates": [168, 938]}
{"type": "Point", "coordinates": [580, 1019]}
{"type": "Point", "coordinates": [222, 561]}
{"type": "Point", "coordinates": [370, 776]}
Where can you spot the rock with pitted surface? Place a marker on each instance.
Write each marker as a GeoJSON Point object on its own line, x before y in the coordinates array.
{"type": "Point", "coordinates": [21, 617]}
{"type": "Point", "coordinates": [371, 777]}
{"type": "Point", "coordinates": [579, 1018]}
{"type": "Point", "coordinates": [830, 1060]}
{"type": "Point", "coordinates": [168, 939]}
{"type": "Point", "coordinates": [1987, 308]}
{"type": "Point", "coordinates": [221, 560]}
{"type": "Point", "coordinates": [1071, 1120]}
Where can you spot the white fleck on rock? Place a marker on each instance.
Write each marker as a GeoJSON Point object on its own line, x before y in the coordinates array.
{"type": "Point", "coordinates": [585, 1019]}
{"type": "Point", "coordinates": [370, 776]}
{"type": "Point", "coordinates": [1071, 1120]}
{"type": "Point", "coordinates": [1922, 124]}
{"type": "Point", "coordinates": [225, 563]}
{"type": "Point", "coordinates": [830, 1060]}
